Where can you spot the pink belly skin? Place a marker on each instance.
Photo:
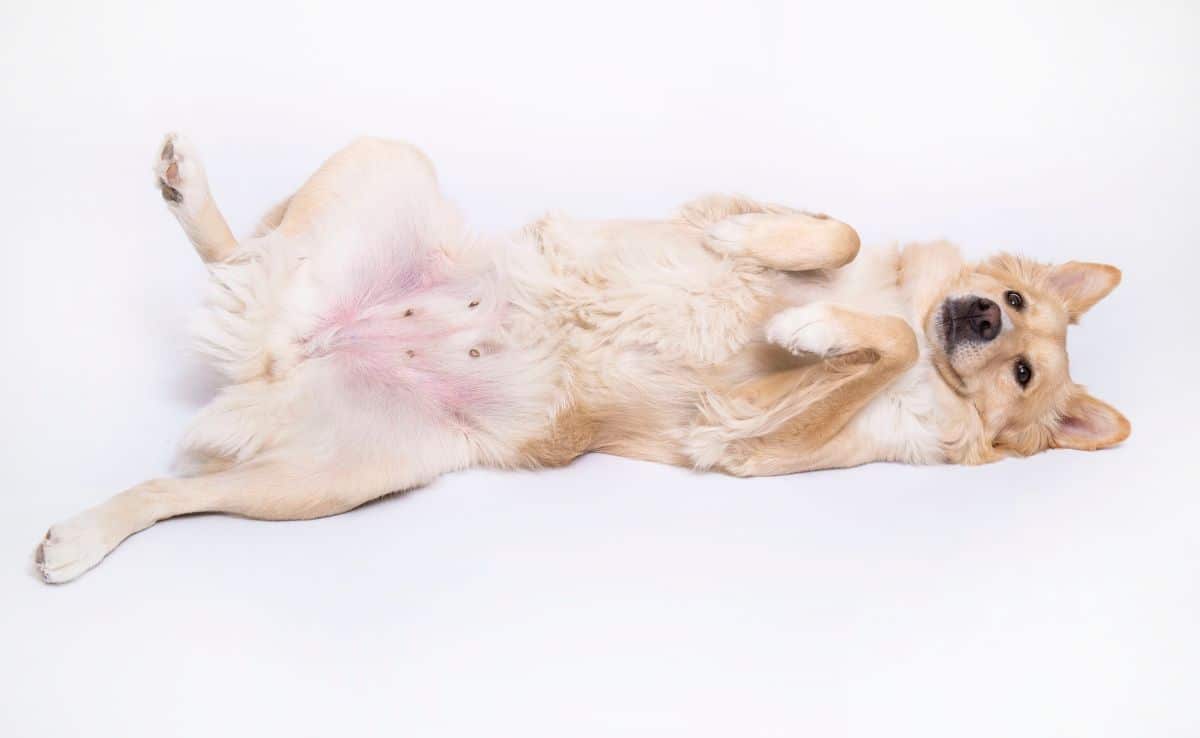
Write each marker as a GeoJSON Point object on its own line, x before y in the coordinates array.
{"type": "Point", "coordinates": [411, 333]}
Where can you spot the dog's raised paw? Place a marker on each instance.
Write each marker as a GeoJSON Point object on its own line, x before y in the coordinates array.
{"type": "Point", "coordinates": [178, 173]}
{"type": "Point", "coordinates": [809, 329]}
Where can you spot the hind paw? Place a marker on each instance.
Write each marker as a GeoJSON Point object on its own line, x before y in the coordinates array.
{"type": "Point", "coordinates": [71, 548]}
{"type": "Point", "coordinates": [179, 174]}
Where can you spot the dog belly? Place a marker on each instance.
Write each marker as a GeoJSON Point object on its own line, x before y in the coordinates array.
{"type": "Point", "coordinates": [414, 333]}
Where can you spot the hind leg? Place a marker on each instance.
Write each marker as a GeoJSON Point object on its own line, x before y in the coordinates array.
{"type": "Point", "coordinates": [272, 218]}
{"type": "Point", "coordinates": [368, 177]}
{"type": "Point", "coordinates": [265, 490]}
{"type": "Point", "coordinates": [184, 186]}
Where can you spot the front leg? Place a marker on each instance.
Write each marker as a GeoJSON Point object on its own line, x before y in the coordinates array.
{"type": "Point", "coordinates": [772, 235]}
{"type": "Point", "coordinates": [795, 242]}
{"type": "Point", "coordinates": [795, 420]}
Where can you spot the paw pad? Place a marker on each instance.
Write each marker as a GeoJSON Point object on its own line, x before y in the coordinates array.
{"type": "Point", "coordinates": [177, 172]}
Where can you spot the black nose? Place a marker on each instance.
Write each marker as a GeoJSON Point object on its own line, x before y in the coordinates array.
{"type": "Point", "coordinates": [973, 318]}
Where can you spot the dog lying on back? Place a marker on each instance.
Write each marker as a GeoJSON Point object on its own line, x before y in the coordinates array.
{"type": "Point", "coordinates": [372, 343]}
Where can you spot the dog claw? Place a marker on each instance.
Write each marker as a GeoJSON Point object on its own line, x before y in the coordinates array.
{"type": "Point", "coordinates": [178, 174]}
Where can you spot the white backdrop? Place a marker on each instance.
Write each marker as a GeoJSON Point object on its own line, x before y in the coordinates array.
{"type": "Point", "coordinates": [1055, 596]}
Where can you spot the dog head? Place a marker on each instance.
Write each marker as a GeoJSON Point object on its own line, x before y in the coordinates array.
{"type": "Point", "coordinates": [997, 333]}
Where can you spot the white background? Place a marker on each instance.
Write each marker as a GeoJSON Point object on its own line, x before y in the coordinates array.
{"type": "Point", "coordinates": [1054, 596]}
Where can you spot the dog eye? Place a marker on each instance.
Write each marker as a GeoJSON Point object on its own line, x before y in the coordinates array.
{"type": "Point", "coordinates": [1022, 372]}
{"type": "Point", "coordinates": [1014, 299]}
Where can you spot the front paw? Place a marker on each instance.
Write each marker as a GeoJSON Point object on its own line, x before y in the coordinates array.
{"type": "Point", "coordinates": [793, 242]}
{"type": "Point", "coordinates": [734, 234]}
{"type": "Point", "coordinates": [810, 329]}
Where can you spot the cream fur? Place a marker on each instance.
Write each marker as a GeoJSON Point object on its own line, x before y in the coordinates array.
{"type": "Point", "coordinates": [371, 343]}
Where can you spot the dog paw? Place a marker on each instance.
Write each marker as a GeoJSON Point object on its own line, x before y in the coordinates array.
{"type": "Point", "coordinates": [179, 174]}
{"type": "Point", "coordinates": [69, 549]}
{"type": "Point", "coordinates": [810, 329]}
{"type": "Point", "coordinates": [793, 242]}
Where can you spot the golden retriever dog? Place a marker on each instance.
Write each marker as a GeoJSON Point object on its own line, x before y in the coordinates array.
{"type": "Point", "coordinates": [371, 342]}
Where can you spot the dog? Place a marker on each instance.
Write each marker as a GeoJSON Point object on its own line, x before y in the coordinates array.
{"type": "Point", "coordinates": [371, 343]}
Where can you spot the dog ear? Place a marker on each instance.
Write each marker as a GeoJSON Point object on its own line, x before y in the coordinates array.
{"type": "Point", "coordinates": [1088, 424]}
{"type": "Point", "coordinates": [1081, 284]}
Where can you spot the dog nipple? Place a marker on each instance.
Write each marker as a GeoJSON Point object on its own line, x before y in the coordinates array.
{"type": "Point", "coordinates": [474, 353]}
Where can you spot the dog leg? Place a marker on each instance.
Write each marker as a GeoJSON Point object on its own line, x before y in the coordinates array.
{"type": "Point", "coordinates": [772, 235]}
{"type": "Point", "coordinates": [261, 490]}
{"type": "Point", "coordinates": [272, 218]}
{"type": "Point", "coordinates": [794, 242]}
{"type": "Point", "coordinates": [793, 420]}
{"type": "Point", "coordinates": [367, 176]}
{"type": "Point", "coordinates": [180, 177]}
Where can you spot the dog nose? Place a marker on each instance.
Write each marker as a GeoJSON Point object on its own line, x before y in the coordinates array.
{"type": "Point", "coordinates": [984, 318]}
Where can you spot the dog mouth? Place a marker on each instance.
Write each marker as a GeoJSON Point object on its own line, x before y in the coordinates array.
{"type": "Point", "coordinates": [948, 327]}
{"type": "Point", "coordinates": [945, 327]}
{"type": "Point", "coordinates": [949, 375]}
